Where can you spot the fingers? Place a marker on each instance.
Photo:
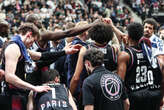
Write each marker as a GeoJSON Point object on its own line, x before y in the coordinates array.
{"type": "Point", "coordinates": [69, 44]}
{"type": "Point", "coordinates": [42, 88]}
{"type": "Point", "coordinates": [107, 20]}
{"type": "Point", "coordinates": [47, 88]}
{"type": "Point", "coordinates": [77, 46]}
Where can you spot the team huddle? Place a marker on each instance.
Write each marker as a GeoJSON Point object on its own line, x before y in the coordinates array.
{"type": "Point", "coordinates": [92, 66]}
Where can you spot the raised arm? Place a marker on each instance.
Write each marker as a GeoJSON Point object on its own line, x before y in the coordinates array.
{"type": "Point", "coordinates": [79, 67]}
{"type": "Point", "coordinates": [123, 60]}
{"type": "Point", "coordinates": [71, 101]}
{"type": "Point", "coordinates": [68, 49]}
{"type": "Point", "coordinates": [115, 42]}
{"type": "Point", "coordinates": [118, 33]}
{"type": "Point", "coordinates": [49, 35]}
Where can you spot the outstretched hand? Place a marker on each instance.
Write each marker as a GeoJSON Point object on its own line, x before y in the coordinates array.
{"type": "Point", "coordinates": [42, 89]}
{"type": "Point", "coordinates": [71, 49]}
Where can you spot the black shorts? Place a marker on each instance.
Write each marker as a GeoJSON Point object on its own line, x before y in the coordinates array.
{"type": "Point", "coordinates": [147, 100]}
{"type": "Point", "coordinates": [18, 102]}
{"type": "Point", "coordinates": [5, 102]}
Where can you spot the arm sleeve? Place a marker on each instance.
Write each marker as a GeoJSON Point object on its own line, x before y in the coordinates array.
{"type": "Point", "coordinates": [41, 63]}
{"type": "Point", "coordinates": [87, 90]}
{"type": "Point", "coordinates": [51, 55]}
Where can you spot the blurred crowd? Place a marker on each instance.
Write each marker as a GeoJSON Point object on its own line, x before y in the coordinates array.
{"type": "Point", "coordinates": [145, 8]}
{"type": "Point", "coordinates": [55, 13]}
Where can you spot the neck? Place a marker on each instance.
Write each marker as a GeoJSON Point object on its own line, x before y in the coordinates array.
{"type": "Point", "coordinates": [23, 38]}
{"type": "Point", "coordinates": [81, 38]}
{"type": "Point", "coordinates": [100, 45]}
{"type": "Point", "coordinates": [133, 43]}
{"type": "Point", "coordinates": [51, 82]}
{"type": "Point", "coordinates": [92, 68]}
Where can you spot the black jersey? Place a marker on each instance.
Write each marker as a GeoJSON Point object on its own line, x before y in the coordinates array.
{"type": "Point", "coordinates": [142, 82]}
{"type": "Point", "coordinates": [110, 57]}
{"type": "Point", "coordinates": [140, 74]}
{"type": "Point", "coordinates": [56, 99]}
{"type": "Point", "coordinates": [35, 77]}
{"type": "Point", "coordinates": [20, 69]}
{"type": "Point", "coordinates": [14, 98]}
{"type": "Point", "coordinates": [104, 90]}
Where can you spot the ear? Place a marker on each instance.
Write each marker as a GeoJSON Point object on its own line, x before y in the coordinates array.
{"type": "Point", "coordinates": [57, 80]}
{"type": "Point", "coordinates": [88, 63]}
{"type": "Point", "coordinates": [29, 34]}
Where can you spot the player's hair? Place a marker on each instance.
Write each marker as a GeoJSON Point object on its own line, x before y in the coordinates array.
{"type": "Point", "coordinates": [101, 33]}
{"type": "Point", "coordinates": [49, 75]}
{"type": "Point", "coordinates": [135, 31]}
{"type": "Point", "coordinates": [95, 56]}
{"type": "Point", "coordinates": [28, 27]}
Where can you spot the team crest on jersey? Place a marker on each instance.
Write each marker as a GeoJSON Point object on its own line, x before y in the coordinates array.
{"type": "Point", "coordinates": [111, 86]}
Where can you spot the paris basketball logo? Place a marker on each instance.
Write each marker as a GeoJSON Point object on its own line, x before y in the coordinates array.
{"type": "Point", "coordinates": [111, 86]}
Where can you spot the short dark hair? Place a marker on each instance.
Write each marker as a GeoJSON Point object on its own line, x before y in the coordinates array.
{"type": "Point", "coordinates": [152, 22]}
{"type": "Point", "coordinates": [24, 28]}
{"type": "Point", "coordinates": [101, 33]}
{"type": "Point", "coordinates": [49, 75]}
{"type": "Point", "coordinates": [95, 56]}
{"type": "Point", "coordinates": [135, 31]}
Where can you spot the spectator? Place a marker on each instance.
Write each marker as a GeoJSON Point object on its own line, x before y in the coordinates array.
{"type": "Point", "coordinates": [3, 32]}
{"type": "Point", "coordinates": [161, 32]}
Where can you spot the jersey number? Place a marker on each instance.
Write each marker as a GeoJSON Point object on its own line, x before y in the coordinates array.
{"type": "Point", "coordinates": [53, 93]}
{"type": "Point", "coordinates": [143, 75]}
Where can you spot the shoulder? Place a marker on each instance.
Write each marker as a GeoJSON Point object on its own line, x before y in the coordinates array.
{"type": "Point", "coordinates": [88, 80]}
{"type": "Point", "coordinates": [83, 50]}
{"type": "Point", "coordinates": [12, 49]}
{"type": "Point", "coordinates": [123, 55]}
{"type": "Point", "coordinates": [115, 48]}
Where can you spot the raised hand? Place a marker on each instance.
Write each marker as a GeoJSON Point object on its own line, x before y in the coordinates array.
{"type": "Point", "coordinates": [108, 21]}
{"type": "Point", "coordinates": [71, 49]}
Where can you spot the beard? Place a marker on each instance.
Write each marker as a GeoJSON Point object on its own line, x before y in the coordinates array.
{"type": "Point", "coordinates": [147, 35]}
